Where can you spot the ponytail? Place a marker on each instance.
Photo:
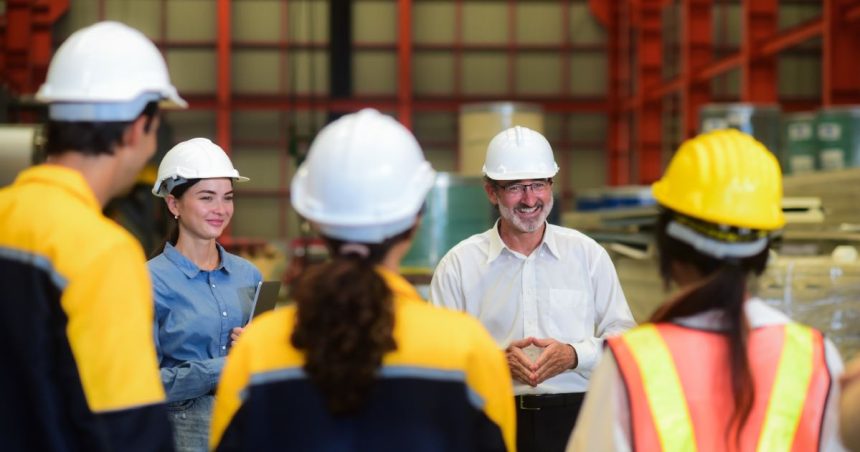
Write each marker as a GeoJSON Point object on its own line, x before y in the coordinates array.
{"type": "Point", "coordinates": [345, 322]}
{"type": "Point", "coordinates": [723, 289]}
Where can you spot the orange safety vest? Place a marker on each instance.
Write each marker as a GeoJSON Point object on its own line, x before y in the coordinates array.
{"type": "Point", "coordinates": [679, 386]}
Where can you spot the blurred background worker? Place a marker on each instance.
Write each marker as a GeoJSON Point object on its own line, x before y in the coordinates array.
{"type": "Point", "coordinates": [717, 369]}
{"type": "Point", "coordinates": [361, 363]}
{"type": "Point", "coordinates": [80, 370]}
{"type": "Point", "coordinates": [548, 294]}
{"type": "Point", "coordinates": [203, 294]}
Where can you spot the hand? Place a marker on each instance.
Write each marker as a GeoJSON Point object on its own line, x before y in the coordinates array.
{"type": "Point", "coordinates": [519, 363]}
{"type": "Point", "coordinates": [235, 333]}
{"type": "Point", "coordinates": [555, 359]}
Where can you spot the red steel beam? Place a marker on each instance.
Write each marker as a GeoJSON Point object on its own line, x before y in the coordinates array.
{"type": "Point", "coordinates": [840, 64]}
{"type": "Point", "coordinates": [27, 41]}
{"type": "Point", "coordinates": [852, 13]}
{"type": "Point", "coordinates": [223, 88]}
{"type": "Point", "coordinates": [617, 133]}
{"type": "Point", "coordinates": [791, 37]}
{"type": "Point", "coordinates": [223, 111]}
{"type": "Point", "coordinates": [482, 47]}
{"type": "Point", "coordinates": [696, 53]}
{"type": "Point", "coordinates": [649, 115]}
{"type": "Point", "coordinates": [758, 72]}
{"type": "Point", "coordinates": [273, 101]}
{"type": "Point", "coordinates": [720, 66]}
{"type": "Point", "coordinates": [404, 62]}
{"type": "Point", "coordinates": [771, 46]}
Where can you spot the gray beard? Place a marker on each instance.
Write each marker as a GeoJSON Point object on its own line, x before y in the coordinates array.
{"type": "Point", "coordinates": [525, 225]}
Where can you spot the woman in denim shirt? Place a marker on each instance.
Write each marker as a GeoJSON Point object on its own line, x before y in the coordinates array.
{"type": "Point", "coordinates": [203, 294]}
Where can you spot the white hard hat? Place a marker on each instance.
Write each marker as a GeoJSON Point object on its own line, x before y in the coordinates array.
{"type": "Point", "coordinates": [106, 72]}
{"type": "Point", "coordinates": [364, 180]}
{"type": "Point", "coordinates": [197, 158]}
{"type": "Point", "coordinates": [519, 153]}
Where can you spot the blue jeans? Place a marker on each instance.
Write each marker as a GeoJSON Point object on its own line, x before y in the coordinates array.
{"type": "Point", "coordinates": [190, 420]}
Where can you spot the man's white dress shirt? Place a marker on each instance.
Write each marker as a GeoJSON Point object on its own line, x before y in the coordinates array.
{"type": "Point", "coordinates": [567, 290]}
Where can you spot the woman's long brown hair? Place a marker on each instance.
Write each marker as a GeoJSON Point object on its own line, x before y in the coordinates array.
{"type": "Point", "coordinates": [345, 323]}
{"type": "Point", "coordinates": [724, 289]}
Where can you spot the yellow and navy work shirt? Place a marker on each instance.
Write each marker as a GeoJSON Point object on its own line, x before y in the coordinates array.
{"type": "Point", "coordinates": [446, 388]}
{"type": "Point", "coordinates": [76, 316]}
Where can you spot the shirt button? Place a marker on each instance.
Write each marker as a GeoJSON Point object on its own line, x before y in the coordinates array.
{"type": "Point", "coordinates": [223, 347]}
{"type": "Point", "coordinates": [224, 313]}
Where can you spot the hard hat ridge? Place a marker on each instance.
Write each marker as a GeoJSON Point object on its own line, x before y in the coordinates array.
{"type": "Point", "coordinates": [101, 72]}
{"type": "Point", "coordinates": [519, 153]}
{"type": "Point", "coordinates": [197, 158]}
{"type": "Point", "coordinates": [364, 180]}
{"type": "Point", "coordinates": [724, 177]}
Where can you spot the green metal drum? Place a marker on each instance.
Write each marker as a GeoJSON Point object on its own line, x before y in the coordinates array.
{"type": "Point", "coordinates": [761, 121]}
{"type": "Point", "coordinates": [800, 145]}
{"type": "Point", "coordinates": [838, 132]}
{"type": "Point", "coordinates": [456, 208]}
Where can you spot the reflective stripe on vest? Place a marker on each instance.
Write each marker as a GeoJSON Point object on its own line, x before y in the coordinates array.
{"type": "Point", "coordinates": [789, 390]}
{"type": "Point", "coordinates": [789, 373]}
{"type": "Point", "coordinates": [662, 388]}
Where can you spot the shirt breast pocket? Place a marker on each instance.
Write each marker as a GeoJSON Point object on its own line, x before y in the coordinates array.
{"type": "Point", "coordinates": [569, 315]}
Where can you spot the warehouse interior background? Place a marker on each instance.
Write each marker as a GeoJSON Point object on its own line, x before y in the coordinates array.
{"type": "Point", "coordinates": [615, 86]}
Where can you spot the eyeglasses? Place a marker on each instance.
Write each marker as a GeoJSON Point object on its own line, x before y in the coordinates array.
{"type": "Point", "coordinates": [518, 189]}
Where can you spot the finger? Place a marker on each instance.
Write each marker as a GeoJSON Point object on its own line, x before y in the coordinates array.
{"type": "Point", "coordinates": [520, 378]}
{"type": "Point", "coordinates": [547, 354]}
{"type": "Point", "coordinates": [548, 371]}
{"type": "Point", "coordinates": [544, 342]}
{"type": "Point", "coordinates": [522, 358]}
{"type": "Point", "coordinates": [517, 365]}
{"type": "Point", "coordinates": [522, 342]}
{"type": "Point", "coordinates": [518, 373]}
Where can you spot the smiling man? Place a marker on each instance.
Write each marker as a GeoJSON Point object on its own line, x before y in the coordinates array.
{"type": "Point", "coordinates": [548, 295]}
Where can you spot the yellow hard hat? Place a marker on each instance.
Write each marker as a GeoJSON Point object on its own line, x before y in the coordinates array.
{"type": "Point", "coordinates": [724, 177]}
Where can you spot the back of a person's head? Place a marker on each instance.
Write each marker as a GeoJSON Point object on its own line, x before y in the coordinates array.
{"type": "Point", "coordinates": [362, 186]}
{"type": "Point", "coordinates": [720, 201]}
{"type": "Point", "coordinates": [364, 180]}
{"type": "Point", "coordinates": [100, 79]}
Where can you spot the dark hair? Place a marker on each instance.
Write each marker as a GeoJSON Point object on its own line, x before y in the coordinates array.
{"type": "Point", "coordinates": [89, 137]}
{"type": "Point", "coordinates": [345, 323]}
{"type": "Point", "coordinates": [173, 224]}
{"type": "Point", "coordinates": [724, 289]}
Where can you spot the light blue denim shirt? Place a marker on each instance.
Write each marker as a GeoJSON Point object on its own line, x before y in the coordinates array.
{"type": "Point", "coordinates": [195, 312]}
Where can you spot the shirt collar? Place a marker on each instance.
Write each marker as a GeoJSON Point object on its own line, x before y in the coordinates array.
{"type": "Point", "coordinates": [189, 268]}
{"type": "Point", "coordinates": [399, 286]}
{"type": "Point", "coordinates": [497, 244]}
{"type": "Point", "coordinates": [549, 241]}
{"type": "Point", "coordinates": [63, 177]}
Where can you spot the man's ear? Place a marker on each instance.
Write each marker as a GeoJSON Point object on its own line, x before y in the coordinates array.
{"type": "Point", "coordinates": [491, 193]}
{"type": "Point", "coordinates": [134, 132]}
